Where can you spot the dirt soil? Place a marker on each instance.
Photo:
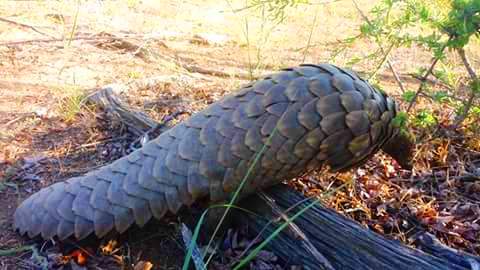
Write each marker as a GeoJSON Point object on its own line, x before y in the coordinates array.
{"type": "Point", "coordinates": [52, 54]}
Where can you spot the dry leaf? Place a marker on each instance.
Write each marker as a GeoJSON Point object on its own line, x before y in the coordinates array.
{"type": "Point", "coordinates": [143, 265]}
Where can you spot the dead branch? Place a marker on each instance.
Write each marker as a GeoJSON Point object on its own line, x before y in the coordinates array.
{"type": "Point", "coordinates": [25, 26]}
{"type": "Point", "coordinates": [212, 72]}
{"type": "Point", "coordinates": [137, 122]}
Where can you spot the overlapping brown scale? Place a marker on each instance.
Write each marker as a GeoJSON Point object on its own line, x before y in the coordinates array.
{"type": "Point", "coordinates": [343, 82]}
{"type": "Point", "coordinates": [320, 85]}
{"type": "Point", "coordinates": [190, 147]}
{"type": "Point", "coordinates": [286, 153]}
{"type": "Point", "coordinates": [329, 105]}
{"type": "Point", "coordinates": [284, 77]}
{"type": "Point", "coordinates": [358, 122]}
{"type": "Point", "coordinates": [65, 229]}
{"type": "Point", "coordinates": [254, 139]}
{"type": "Point", "coordinates": [238, 119]}
{"type": "Point", "coordinates": [262, 86]}
{"type": "Point", "coordinates": [254, 108]}
{"type": "Point", "coordinates": [140, 209]}
{"type": "Point", "coordinates": [372, 108]}
{"type": "Point", "coordinates": [303, 150]}
{"type": "Point", "coordinates": [352, 101]}
{"type": "Point", "coordinates": [269, 159]}
{"type": "Point", "coordinates": [124, 218]}
{"type": "Point", "coordinates": [350, 73]}
{"type": "Point", "coordinates": [306, 71]}
{"type": "Point", "coordinates": [83, 227]}
{"type": "Point", "coordinates": [64, 208]}
{"type": "Point", "coordinates": [289, 125]}
{"type": "Point", "coordinates": [333, 122]}
{"type": "Point", "coordinates": [297, 90]}
{"type": "Point", "coordinates": [315, 137]}
{"type": "Point", "coordinates": [360, 145]}
{"type": "Point", "coordinates": [328, 68]}
{"type": "Point", "coordinates": [308, 115]}
{"type": "Point", "coordinates": [98, 197]}
{"type": "Point", "coordinates": [363, 88]}
{"type": "Point", "coordinates": [103, 223]}
{"type": "Point", "coordinates": [276, 94]}
{"type": "Point", "coordinates": [81, 206]}
{"type": "Point", "coordinates": [197, 184]}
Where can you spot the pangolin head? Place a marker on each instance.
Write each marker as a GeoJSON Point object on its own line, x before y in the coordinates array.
{"type": "Point", "coordinates": [401, 148]}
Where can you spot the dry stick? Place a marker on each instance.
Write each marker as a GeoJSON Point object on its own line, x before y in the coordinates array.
{"type": "Point", "coordinates": [310, 35]}
{"type": "Point", "coordinates": [389, 63]}
{"type": "Point", "coordinates": [473, 92]}
{"type": "Point", "coordinates": [25, 26]}
{"type": "Point", "coordinates": [77, 37]}
{"type": "Point", "coordinates": [267, 2]}
{"type": "Point", "coordinates": [20, 42]}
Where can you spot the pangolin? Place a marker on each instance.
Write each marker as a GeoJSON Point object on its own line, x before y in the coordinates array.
{"type": "Point", "coordinates": [277, 127]}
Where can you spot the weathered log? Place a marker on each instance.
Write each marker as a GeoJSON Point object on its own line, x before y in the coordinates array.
{"type": "Point", "coordinates": [344, 243]}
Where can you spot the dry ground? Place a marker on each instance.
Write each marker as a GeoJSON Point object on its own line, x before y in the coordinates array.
{"type": "Point", "coordinates": [57, 52]}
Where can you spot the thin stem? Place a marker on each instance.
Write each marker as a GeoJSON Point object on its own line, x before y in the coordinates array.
{"type": "Point", "coordinates": [423, 79]}
{"type": "Point", "coordinates": [23, 25]}
{"type": "Point", "coordinates": [384, 59]}
{"type": "Point", "coordinates": [310, 35]}
{"type": "Point", "coordinates": [473, 92]}
{"type": "Point", "coordinates": [74, 27]}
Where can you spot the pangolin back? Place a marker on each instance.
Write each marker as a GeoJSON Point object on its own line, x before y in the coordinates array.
{"type": "Point", "coordinates": [306, 116]}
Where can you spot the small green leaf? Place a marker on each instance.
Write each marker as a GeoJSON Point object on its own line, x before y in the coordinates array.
{"type": "Point", "coordinates": [400, 120]}
{"type": "Point", "coordinates": [409, 95]}
{"type": "Point", "coordinates": [441, 96]}
{"type": "Point", "coordinates": [425, 119]}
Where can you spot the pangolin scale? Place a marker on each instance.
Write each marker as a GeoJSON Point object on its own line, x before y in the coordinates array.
{"type": "Point", "coordinates": [306, 116]}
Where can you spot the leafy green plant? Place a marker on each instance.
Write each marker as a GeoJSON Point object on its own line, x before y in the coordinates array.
{"type": "Point", "coordinates": [438, 26]}
{"type": "Point", "coordinates": [71, 102]}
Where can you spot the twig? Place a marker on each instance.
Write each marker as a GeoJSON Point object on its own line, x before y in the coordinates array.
{"type": "Point", "coordinates": [384, 59]}
{"type": "Point", "coordinates": [79, 37]}
{"type": "Point", "coordinates": [217, 73]}
{"type": "Point", "coordinates": [395, 75]}
{"type": "Point", "coordinates": [389, 63]}
{"type": "Point", "coordinates": [74, 27]}
{"type": "Point", "coordinates": [25, 26]}
{"type": "Point", "coordinates": [473, 92]}
{"type": "Point", "coordinates": [433, 81]}
{"type": "Point", "coordinates": [326, 2]}
{"type": "Point", "coordinates": [467, 64]}
{"type": "Point", "coordinates": [310, 35]}
{"type": "Point", "coordinates": [113, 139]}
{"type": "Point", "coordinates": [423, 80]}
{"type": "Point", "coordinates": [20, 42]}
{"type": "Point", "coordinates": [20, 118]}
